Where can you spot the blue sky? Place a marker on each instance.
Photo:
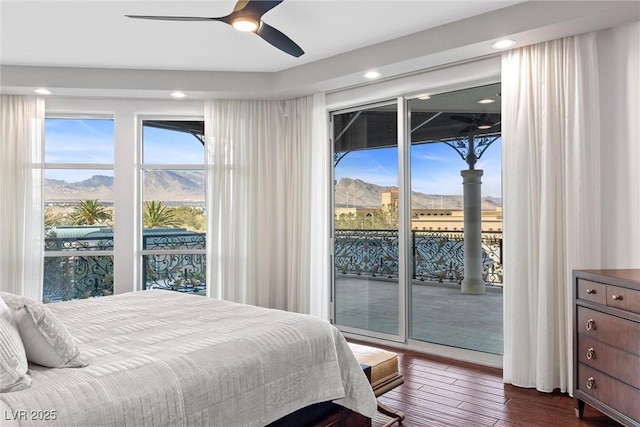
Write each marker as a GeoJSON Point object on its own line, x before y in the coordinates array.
{"type": "Point", "coordinates": [435, 168]}
{"type": "Point", "coordinates": [91, 141]}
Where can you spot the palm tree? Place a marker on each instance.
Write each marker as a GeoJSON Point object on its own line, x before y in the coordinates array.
{"type": "Point", "coordinates": [155, 214]}
{"type": "Point", "coordinates": [89, 212]}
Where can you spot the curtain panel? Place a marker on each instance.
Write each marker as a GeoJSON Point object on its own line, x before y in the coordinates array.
{"type": "Point", "coordinates": [551, 193]}
{"type": "Point", "coordinates": [21, 224]}
{"type": "Point", "coordinates": [265, 182]}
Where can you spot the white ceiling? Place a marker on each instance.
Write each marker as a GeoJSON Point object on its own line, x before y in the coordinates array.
{"type": "Point", "coordinates": [96, 34]}
{"type": "Point", "coordinates": [89, 48]}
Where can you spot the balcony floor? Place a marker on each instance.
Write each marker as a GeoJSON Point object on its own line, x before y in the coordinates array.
{"type": "Point", "coordinates": [441, 314]}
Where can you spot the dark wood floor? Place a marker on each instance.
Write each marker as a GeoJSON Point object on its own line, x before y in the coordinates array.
{"type": "Point", "coordinates": [440, 392]}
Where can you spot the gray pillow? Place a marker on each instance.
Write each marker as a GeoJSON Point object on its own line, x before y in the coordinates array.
{"type": "Point", "coordinates": [13, 360]}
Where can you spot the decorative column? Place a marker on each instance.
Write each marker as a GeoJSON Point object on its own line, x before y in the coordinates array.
{"type": "Point", "coordinates": [472, 282]}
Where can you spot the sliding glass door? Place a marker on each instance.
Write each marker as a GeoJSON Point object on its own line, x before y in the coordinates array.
{"type": "Point", "coordinates": [366, 288]}
{"type": "Point", "coordinates": [421, 219]}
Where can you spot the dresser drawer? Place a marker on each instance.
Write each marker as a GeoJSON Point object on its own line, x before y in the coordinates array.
{"type": "Point", "coordinates": [609, 391]}
{"type": "Point", "coordinates": [623, 298]}
{"type": "Point", "coordinates": [610, 360]}
{"type": "Point", "coordinates": [618, 332]}
{"type": "Point", "coordinates": [592, 291]}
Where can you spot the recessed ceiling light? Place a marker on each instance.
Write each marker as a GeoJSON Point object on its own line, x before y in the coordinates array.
{"type": "Point", "coordinates": [503, 44]}
{"type": "Point", "coordinates": [424, 96]}
{"type": "Point", "coordinates": [42, 91]}
{"type": "Point", "coordinates": [371, 75]}
{"type": "Point", "coordinates": [178, 94]}
{"type": "Point", "coordinates": [486, 101]}
{"type": "Point", "coordinates": [245, 23]}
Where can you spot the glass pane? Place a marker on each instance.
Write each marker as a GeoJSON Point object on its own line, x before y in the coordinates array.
{"type": "Point", "coordinates": [366, 219]}
{"type": "Point", "coordinates": [451, 133]}
{"type": "Point", "coordinates": [173, 142]}
{"type": "Point", "coordinates": [78, 209]}
{"type": "Point", "coordinates": [74, 277]}
{"type": "Point", "coordinates": [78, 141]}
{"type": "Point", "coordinates": [174, 199]}
{"type": "Point", "coordinates": [177, 272]}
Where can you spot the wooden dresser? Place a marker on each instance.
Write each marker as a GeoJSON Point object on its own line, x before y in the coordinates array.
{"type": "Point", "coordinates": [606, 345]}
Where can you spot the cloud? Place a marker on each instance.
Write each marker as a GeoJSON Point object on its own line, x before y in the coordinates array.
{"type": "Point", "coordinates": [429, 157]}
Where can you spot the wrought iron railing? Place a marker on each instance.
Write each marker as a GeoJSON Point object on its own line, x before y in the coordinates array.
{"type": "Point", "coordinates": [78, 274]}
{"type": "Point", "coordinates": [182, 272]}
{"type": "Point", "coordinates": [73, 272]}
{"type": "Point", "coordinates": [436, 256]}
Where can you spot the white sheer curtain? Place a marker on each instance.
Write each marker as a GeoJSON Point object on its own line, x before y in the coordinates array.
{"type": "Point", "coordinates": [21, 225]}
{"type": "Point", "coordinates": [262, 189]}
{"type": "Point", "coordinates": [551, 191]}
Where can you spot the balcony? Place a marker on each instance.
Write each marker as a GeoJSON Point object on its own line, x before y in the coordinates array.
{"type": "Point", "coordinates": [366, 265]}
{"type": "Point", "coordinates": [437, 256]}
{"type": "Point", "coordinates": [366, 287]}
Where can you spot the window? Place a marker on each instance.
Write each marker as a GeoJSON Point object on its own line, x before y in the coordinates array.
{"type": "Point", "coordinates": [79, 213]}
{"type": "Point", "coordinates": [173, 206]}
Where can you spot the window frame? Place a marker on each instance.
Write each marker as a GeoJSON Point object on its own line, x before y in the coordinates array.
{"type": "Point", "coordinates": [141, 167]}
{"type": "Point", "coordinates": [74, 166]}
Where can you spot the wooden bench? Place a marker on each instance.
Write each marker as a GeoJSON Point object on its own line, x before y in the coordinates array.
{"type": "Point", "coordinates": [381, 367]}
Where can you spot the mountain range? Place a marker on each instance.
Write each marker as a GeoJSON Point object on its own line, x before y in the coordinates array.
{"type": "Point", "coordinates": [160, 185]}
{"type": "Point", "coordinates": [357, 193]}
{"type": "Point", "coordinates": [171, 186]}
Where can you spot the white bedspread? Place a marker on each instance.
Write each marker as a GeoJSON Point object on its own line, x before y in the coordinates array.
{"type": "Point", "coordinates": [163, 358]}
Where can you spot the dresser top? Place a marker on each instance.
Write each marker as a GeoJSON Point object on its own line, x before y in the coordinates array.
{"type": "Point", "coordinates": [628, 276]}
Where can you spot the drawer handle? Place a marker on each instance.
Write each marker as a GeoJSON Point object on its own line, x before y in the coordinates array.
{"type": "Point", "coordinates": [617, 297]}
{"type": "Point", "coordinates": [591, 291]}
{"type": "Point", "coordinates": [591, 325]}
{"type": "Point", "coordinates": [591, 383]}
{"type": "Point", "coordinates": [591, 354]}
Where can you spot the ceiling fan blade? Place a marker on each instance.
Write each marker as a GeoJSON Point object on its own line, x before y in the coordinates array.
{"type": "Point", "coordinates": [174, 18]}
{"type": "Point", "coordinates": [256, 8]}
{"type": "Point", "coordinates": [279, 40]}
{"type": "Point", "coordinates": [240, 4]}
{"type": "Point", "coordinates": [260, 7]}
{"type": "Point", "coordinates": [463, 119]}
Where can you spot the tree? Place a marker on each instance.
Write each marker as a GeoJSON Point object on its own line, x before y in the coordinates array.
{"type": "Point", "coordinates": [190, 218]}
{"type": "Point", "coordinates": [53, 217]}
{"type": "Point", "coordinates": [155, 214]}
{"type": "Point", "coordinates": [89, 212]}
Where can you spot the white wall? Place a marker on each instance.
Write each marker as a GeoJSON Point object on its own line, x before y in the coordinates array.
{"type": "Point", "coordinates": [618, 52]}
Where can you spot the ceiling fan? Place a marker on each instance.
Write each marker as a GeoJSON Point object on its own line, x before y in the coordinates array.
{"type": "Point", "coordinates": [475, 122]}
{"type": "Point", "coordinates": [246, 16]}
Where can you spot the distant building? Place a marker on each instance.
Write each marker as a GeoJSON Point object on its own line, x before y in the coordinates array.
{"type": "Point", "coordinates": [452, 219]}
{"type": "Point", "coordinates": [428, 219]}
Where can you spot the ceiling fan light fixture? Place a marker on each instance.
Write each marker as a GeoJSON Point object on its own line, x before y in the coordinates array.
{"type": "Point", "coordinates": [486, 101]}
{"type": "Point", "coordinates": [245, 23]}
{"type": "Point", "coordinates": [484, 126]}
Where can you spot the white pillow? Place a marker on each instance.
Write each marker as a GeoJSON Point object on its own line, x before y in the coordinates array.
{"type": "Point", "coordinates": [13, 361]}
{"type": "Point", "coordinates": [46, 340]}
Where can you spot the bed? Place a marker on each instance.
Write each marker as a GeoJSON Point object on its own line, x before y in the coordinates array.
{"type": "Point", "coordinates": [161, 358]}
